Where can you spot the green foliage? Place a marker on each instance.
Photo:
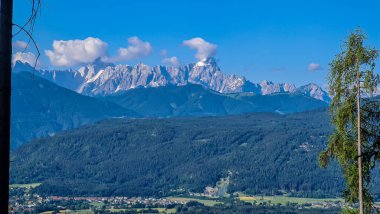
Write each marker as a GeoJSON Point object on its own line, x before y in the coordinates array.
{"type": "Point", "coordinates": [266, 153]}
{"type": "Point", "coordinates": [69, 204]}
{"type": "Point", "coordinates": [349, 210]}
{"type": "Point", "coordinates": [355, 61]}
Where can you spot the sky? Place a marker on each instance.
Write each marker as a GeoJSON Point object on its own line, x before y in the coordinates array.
{"type": "Point", "coordinates": [281, 41]}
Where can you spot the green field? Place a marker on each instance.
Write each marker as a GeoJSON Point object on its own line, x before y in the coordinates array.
{"type": "Point", "coordinates": [286, 199]}
{"type": "Point", "coordinates": [96, 204]}
{"type": "Point", "coordinates": [33, 185]}
{"type": "Point", "coordinates": [161, 210]}
{"type": "Point", "coordinates": [71, 212]}
{"type": "Point", "coordinates": [206, 202]}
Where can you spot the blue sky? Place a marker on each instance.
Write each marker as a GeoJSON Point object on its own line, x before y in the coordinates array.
{"type": "Point", "coordinates": [273, 40]}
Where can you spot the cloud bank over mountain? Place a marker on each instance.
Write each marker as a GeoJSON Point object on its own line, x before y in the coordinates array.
{"type": "Point", "coordinates": [25, 57]}
{"type": "Point", "coordinates": [66, 53]}
{"type": "Point", "coordinates": [136, 49]}
{"type": "Point", "coordinates": [76, 52]}
{"type": "Point", "coordinates": [79, 52]}
{"type": "Point", "coordinates": [204, 49]}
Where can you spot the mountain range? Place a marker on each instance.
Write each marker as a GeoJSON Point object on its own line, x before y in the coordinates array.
{"type": "Point", "coordinates": [52, 101]}
{"type": "Point", "coordinates": [41, 108]}
{"type": "Point", "coordinates": [100, 79]}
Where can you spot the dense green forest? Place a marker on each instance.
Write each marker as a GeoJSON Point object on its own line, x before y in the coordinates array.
{"type": "Point", "coordinates": [266, 154]}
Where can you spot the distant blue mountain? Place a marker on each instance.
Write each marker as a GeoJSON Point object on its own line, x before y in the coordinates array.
{"type": "Point", "coordinates": [41, 108]}
{"type": "Point", "coordinates": [195, 100]}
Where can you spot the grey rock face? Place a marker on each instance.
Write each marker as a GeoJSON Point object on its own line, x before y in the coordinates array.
{"type": "Point", "coordinates": [315, 91]}
{"type": "Point", "coordinates": [100, 79]}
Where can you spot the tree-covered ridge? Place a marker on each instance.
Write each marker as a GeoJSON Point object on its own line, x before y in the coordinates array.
{"type": "Point", "coordinates": [266, 153]}
{"type": "Point", "coordinates": [41, 108]}
{"type": "Point", "coordinates": [195, 100]}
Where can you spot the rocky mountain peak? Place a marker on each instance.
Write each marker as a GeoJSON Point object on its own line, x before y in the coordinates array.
{"type": "Point", "coordinates": [102, 78]}
{"type": "Point", "coordinates": [315, 91]}
{"type": "Point", "coordinates": [209, 62]}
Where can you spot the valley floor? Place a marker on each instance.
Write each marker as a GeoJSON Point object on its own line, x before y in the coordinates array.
{"type": "Point", "coordinates": [23, 200]}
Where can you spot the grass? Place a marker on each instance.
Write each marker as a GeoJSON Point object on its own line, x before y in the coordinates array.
{"type": "Point", "coordinates": [33, 185]}
{"type": "Point", "coordinates": [96, 204]}
{"type": "Point", "coordinates": [71, 212]}
{"type": "Point", "coordinates": [206, 202]}
{"type": "Point", "coordinates": [77, 212]}
{"type": "Point", "coordinates": [285, 199]}
{"type": "Point", "coordinates": [161, 210]}
{"type": "Point", "coordinates": [118, 210]}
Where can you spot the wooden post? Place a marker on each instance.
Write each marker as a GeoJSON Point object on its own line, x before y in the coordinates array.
{"type": "Point", "coordinates": [361, 207]}
{"type": "Point", "coordinates": [6, 10]}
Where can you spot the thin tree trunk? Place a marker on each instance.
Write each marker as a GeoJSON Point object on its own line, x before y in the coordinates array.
{"type": "Point", "coordinates": [6, 9]}
{"type": "Point", "coordinates": [361, 207]}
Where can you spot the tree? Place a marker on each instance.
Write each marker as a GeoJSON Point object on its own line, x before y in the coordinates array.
{"type": "Point", "coordinates": [355, 117]}
{"type": "Point", "coordinates": [6, 15]}
{"type": "Point", "coordinates": [5, 98]}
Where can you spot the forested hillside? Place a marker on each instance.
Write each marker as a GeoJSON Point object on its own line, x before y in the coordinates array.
{"type": "Point", "coordinates": [194, 100]}
{"type": "Point", "coordinates": [264, 152]}
{"type": "Point", "coordinates": [41, 108]}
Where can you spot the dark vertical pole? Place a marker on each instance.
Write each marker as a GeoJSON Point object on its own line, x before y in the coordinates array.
{"type": "Point", "coordinates": [6, 9]}
{"type": "Point", "coordinates": [361, 205]}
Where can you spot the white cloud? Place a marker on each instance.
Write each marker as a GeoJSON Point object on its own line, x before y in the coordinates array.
{"type": "Point", "coordinates": [204, 48]}
{"type": "Point", "coordinates": [20, 45]}
{"type": "Point", "coordinates": [136, 49]}
{"type": "Point", "coordinates": [76, 52]}
{"type": "Point", "coordinates": [164, 53]}
{"type": "Point", "coordinates": [314, 67]}
{"type": "Point", "coordinates": [171, 61]}
{"type": "Point", "coordinates": [25, 57]}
